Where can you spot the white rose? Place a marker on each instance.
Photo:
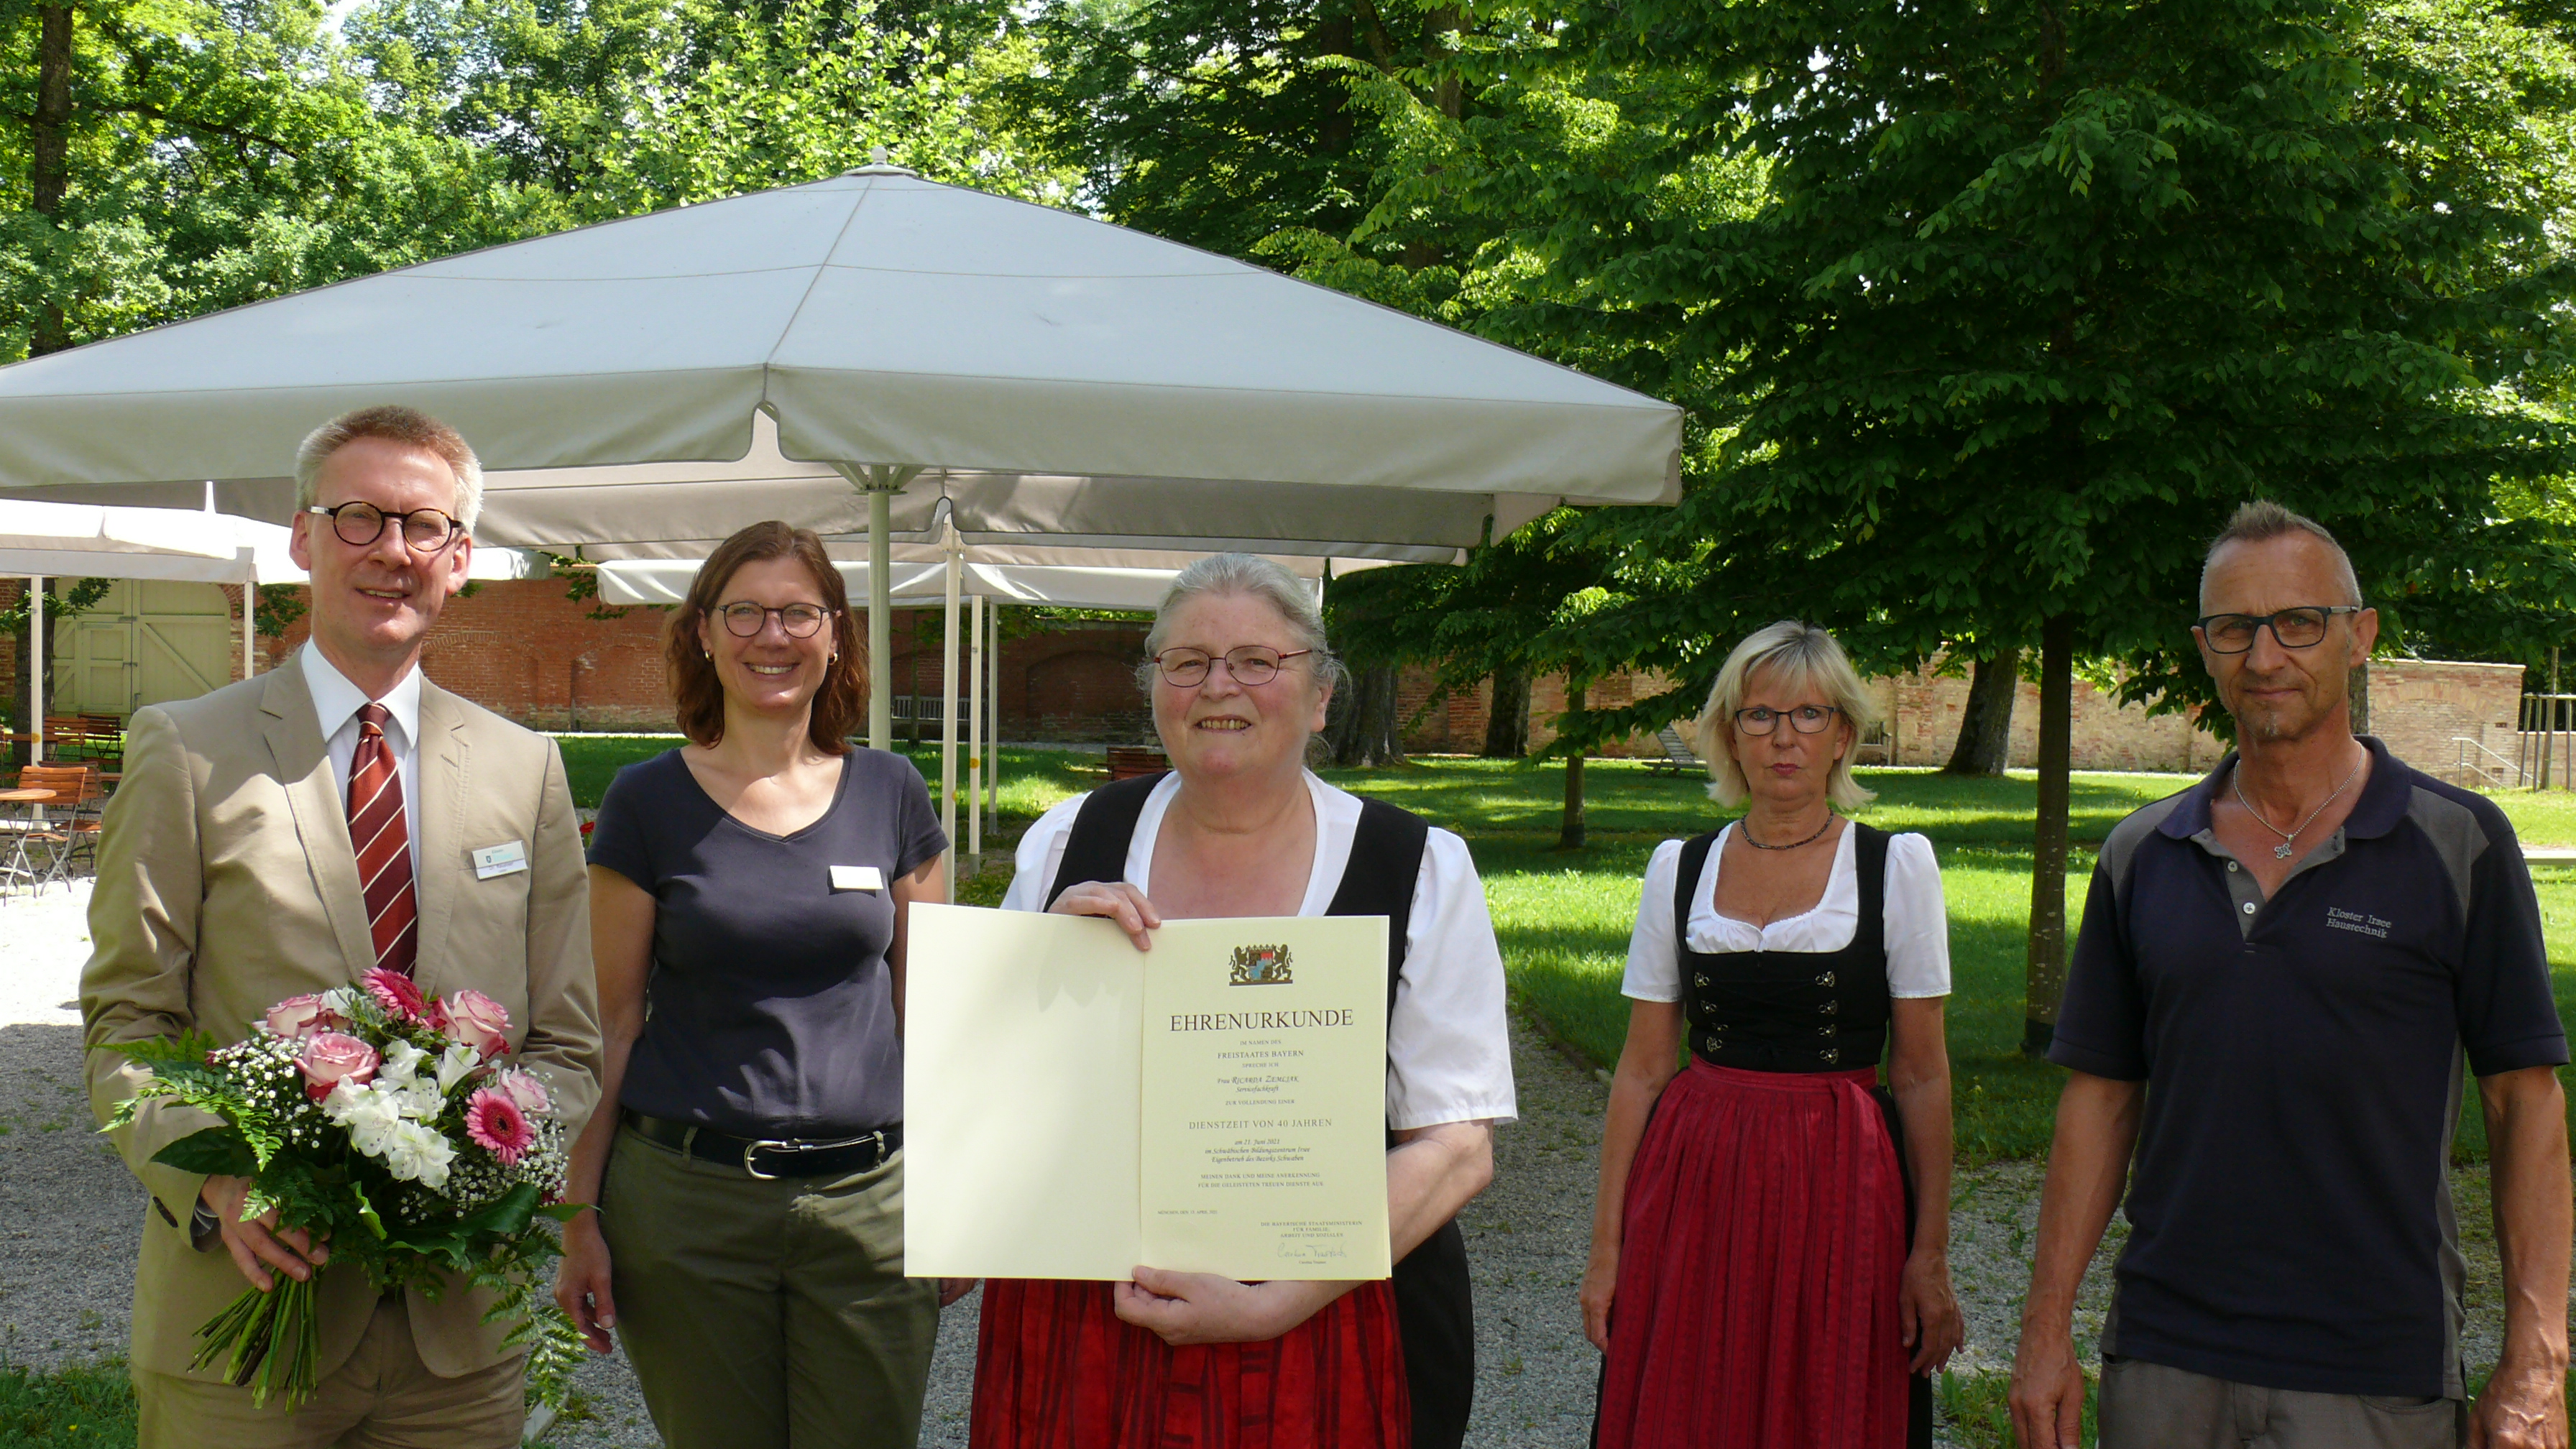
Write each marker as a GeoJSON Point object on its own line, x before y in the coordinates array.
{"type": "Point", "coordinates": [458, 1060]}
{"type": "Point", "coordinates": [418, 1154]}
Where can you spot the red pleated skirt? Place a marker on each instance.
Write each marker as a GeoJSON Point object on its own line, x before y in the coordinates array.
{"type": "Point", "coordinates": [1055, 1368]}
{"type": "Point", "coordinates": [1759, 1260]}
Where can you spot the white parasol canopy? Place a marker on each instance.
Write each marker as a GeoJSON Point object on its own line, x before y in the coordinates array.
{"type": "Point", "coordinates": [40, 540]}
{"type": "Point", "coordinates": [1041, 372]}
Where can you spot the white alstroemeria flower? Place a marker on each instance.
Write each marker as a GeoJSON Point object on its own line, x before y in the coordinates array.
{"type": "Point", "coordinates": [458, 1060]}
{"type": "Point", "coordinates": [366, 1113]}
{"type": "Point", "coordinates": [417, 1154]}
{"type": "Point", "coordinates": [340, 999]}
{"type": "Point", "coordinates": [402, 1060]}
{"type": "Point", "coordinates": [420, 1099]}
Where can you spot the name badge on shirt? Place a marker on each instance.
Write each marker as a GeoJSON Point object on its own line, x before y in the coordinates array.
{"type": "Point", "coordinates": [857, 878]}
{"type": "Point", "coordinates": [494, 860]}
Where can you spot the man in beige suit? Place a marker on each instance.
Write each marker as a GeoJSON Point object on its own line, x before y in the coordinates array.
{"type": "Point", "coordinates": [281, 836]}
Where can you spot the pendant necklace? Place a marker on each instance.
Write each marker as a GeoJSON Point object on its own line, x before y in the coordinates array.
{"type": "Point", "coordinates": [2282, 850]}
{"type": "Point", "coordinates": [1747, 833]}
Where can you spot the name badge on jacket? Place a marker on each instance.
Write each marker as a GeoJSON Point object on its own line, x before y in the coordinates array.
{"type": "Point", "coordinates": [494, 860]}
{"type": "Point", "coordinates": [857, 878]}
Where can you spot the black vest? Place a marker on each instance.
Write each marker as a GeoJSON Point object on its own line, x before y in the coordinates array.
{"type": "Point", "coordinates": [1434, 1301]}
{"type": "Point", "coordinates": [1789, 1011]}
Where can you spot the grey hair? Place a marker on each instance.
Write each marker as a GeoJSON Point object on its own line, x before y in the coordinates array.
{"type": "Point", "coordinates": [2262, 520]}
{"type": "Point", "coordinates": [394, 423]}
{"type": "Point", "coordinates": [1263, 579]}
{"type": "Point", "coordinates": [1797, 654]}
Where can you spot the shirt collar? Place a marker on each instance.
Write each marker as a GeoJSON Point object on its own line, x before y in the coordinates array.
{"type": "Point", "coordinates": [336, 700]}
{"type": "Point", "coordinates": [2382, 804]}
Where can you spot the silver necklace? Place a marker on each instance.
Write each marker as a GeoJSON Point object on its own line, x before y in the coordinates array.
{"type": "Point", "coordinates": [2282, 850]}
{"type": "Point", "coordinates": [1747, 833]}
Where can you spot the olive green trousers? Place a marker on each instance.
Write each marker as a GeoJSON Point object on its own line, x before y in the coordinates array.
{"type": "Point", "coordinates": [766, 1313]}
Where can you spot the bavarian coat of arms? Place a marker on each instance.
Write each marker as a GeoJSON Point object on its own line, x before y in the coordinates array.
{"type": "Point", "coordinates": [1259, 966]}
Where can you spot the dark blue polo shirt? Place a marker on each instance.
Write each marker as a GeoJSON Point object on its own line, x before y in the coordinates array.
{"type": "Point", "coordinates": [2290, 1216]}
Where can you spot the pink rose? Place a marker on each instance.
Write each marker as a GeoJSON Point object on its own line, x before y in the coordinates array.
{"type": "Point", "coordinates": [300, 1016]}
{"type": "Point", "coordinates": [330, 1058]}
{"type": "Point", "coordinates": [396, 993]}
{"type": "Point", "coordinates": [529, 1094]}
{"type": "Point", "coordinates": [478, 1021]}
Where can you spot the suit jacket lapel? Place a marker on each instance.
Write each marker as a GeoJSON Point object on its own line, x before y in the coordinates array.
{"type": "Point", "coordinates": [439, 817]}
{"type": "Point", "coordinates": [303, 763]}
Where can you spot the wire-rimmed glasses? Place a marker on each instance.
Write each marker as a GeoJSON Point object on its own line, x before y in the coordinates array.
{"type": "Point", "coordinates": [1248, 664]}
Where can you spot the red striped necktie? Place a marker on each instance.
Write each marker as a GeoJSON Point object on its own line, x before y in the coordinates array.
{"type": "Point", "coordinates": [383, 840]}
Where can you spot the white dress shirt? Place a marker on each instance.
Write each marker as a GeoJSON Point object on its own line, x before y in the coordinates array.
{"type": "Point", "coordinates": [1917, 925]}
{"type": "Point", "coordinates": [1448, 1045]}
{"type": "Point", "coordinates": [336, 703]}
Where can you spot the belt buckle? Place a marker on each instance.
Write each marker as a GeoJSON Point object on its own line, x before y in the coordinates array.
{"type": "Point", "coordinates": [753, 1147]}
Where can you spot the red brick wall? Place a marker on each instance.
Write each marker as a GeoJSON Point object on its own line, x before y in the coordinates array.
{"type": "Point", "coordinates": [1923, 711]}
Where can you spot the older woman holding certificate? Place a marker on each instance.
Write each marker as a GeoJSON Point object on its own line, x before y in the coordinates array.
{"type": "Point", "coordinates": [1754, 1279]}
{"type": "Point", "coordinates": [1240, 675]}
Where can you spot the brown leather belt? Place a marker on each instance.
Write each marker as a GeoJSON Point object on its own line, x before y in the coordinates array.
{"type": "Point", "coordinates": [772, 1157]}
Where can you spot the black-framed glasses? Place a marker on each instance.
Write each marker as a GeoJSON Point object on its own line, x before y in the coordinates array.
{"type": "Point", "coordinates": [1247, 663]}
{"type": "Point", "coordinates": [424, 530]}
{"type": "Point", "coordinates": [1806, 719]}
{"type": "Point", "coordinates": [2300, 628]}
{"type": "Point", "coordinates": [745, 619]}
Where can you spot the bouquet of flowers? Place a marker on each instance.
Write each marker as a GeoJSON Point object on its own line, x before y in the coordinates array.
{"type": "Point", "coordinates": [385, 1123]}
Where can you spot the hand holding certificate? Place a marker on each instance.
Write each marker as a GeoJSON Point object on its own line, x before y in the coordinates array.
{"type": "Point", "coordinates": [1077, 1108]}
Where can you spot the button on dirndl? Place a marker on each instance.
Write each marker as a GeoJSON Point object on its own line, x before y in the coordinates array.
{"type": "Point", "coordinates": [1825, 980]}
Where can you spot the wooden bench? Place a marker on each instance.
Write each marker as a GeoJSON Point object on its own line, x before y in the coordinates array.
{"type": "Point", "coordinates": [1126, 762]}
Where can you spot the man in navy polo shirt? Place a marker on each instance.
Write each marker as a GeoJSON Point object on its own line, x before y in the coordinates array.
{"type": "Point", "coordinates": [2278, 973]}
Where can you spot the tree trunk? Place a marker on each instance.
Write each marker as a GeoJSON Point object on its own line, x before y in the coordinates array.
{"type": "Point", "coordinates": [1570, 835]}
{"type": "Point", "coordinates": [49, 179]}
{"type": "Point", "coordinates": [1985, 726]}
{"type": "Point", "coordinates": [1507, 721]}
{"type": "Point", "coordinates": [2046, 974]}
{"type": "Point", "coordinates": [1371, 732]}
{"type": "Point", "coordinates": [49, 143]}
{"type": "Point", "coordinates": [2356, 684]}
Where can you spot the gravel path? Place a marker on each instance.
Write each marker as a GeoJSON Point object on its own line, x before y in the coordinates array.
{"type": "Point", "coordinates": [68, 1215]}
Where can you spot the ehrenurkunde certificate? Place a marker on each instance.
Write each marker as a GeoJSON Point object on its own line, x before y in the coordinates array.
{"type": "Point", "coordinates": [1075, 1107]}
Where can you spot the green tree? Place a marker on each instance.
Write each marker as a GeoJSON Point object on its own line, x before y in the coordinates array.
{"type": "Point", "coordinates": [626, 106]}
{"type": "Point", "coordinates": [2036, 294]}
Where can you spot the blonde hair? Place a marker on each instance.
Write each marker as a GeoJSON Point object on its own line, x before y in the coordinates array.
{"type": "Point", "coordinates": [1796, 654]}
{"type": "Point", "coordinates": [395, 424]}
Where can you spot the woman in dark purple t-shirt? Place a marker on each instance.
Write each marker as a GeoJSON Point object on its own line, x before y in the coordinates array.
{"type": "Point", "coordinates": [748, 899]}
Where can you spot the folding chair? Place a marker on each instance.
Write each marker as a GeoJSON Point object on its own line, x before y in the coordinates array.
{"type": "Point", "coordinates": [80, 797]}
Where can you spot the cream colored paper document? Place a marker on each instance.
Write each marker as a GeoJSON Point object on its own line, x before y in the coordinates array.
{"type": "Point", "coordinates": [1074, 1107]}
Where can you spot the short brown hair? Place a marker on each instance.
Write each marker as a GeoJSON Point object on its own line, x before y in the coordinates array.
{"type": "Point", "coordinates": [842, 700]}
{"type": "Point", "coordinates": [397, 424]}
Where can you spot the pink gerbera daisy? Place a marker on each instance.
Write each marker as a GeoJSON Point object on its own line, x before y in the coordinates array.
{"type": "Point", "coordinates": [397, 994]}
{"type": "Point", "coordinates": [496, 1125]}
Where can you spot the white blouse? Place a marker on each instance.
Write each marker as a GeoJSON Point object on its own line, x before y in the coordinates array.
{"type": "Point", "coordinates": [1916, 924]}
{"type": "Point", "coordinates": [1448, 1048]}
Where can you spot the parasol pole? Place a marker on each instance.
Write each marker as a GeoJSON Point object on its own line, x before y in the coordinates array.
{"type": "Point", "coordinates": [948, 708]}
{"type": "Point", "coordinates": [975, 738]}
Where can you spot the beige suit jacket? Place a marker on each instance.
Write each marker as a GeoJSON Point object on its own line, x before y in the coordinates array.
{"type": "Point", "coordinates": [226, 883]}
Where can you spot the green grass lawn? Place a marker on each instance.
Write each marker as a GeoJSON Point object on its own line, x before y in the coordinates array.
{"type": "Point", "coordinates": [1563, 917]}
